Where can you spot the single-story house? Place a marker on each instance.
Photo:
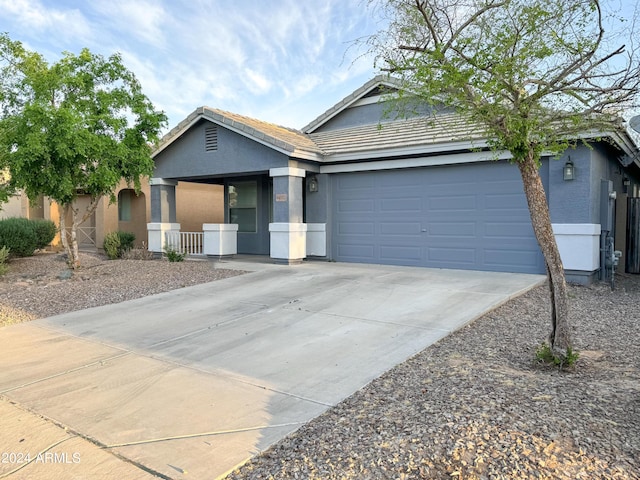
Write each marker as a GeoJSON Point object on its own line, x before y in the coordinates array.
{"type": "Point", "coordinates": [359, 184]}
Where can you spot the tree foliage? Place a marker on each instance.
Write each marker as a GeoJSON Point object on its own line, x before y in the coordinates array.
{"type": "Point", "coordinates": [536, 75]}
{"type": "Point", "coordinates": [74, 127]}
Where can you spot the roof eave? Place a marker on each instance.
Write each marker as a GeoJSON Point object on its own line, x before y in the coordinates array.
{"type": "Point", "coordinates": [367, 154]}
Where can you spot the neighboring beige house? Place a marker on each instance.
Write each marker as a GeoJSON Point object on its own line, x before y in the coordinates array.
{"type": "Point", "coordinates": [198, 204]}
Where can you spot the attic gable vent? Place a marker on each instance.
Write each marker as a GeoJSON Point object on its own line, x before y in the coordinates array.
{"type": "Point", "coordinates": [211, 138]}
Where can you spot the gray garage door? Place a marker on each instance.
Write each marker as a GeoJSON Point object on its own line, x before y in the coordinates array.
{"type": "Point", "coordinates": [471, 216]}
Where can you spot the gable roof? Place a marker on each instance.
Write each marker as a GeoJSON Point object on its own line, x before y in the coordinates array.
{"type": "Point", "coordinates": [446, 132]}
{"type": "Point", "coordinates": [374, 83]}
{"type": "Point", "coordinates": [286, 140]}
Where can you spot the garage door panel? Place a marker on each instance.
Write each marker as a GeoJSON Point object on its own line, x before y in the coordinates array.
{"type": "Point", "coordinates": [472, 216]}
{"type": "Point", "coordinates": [357, 252]}
{"type": "Point", "coordinates": [357, 228]}
{"type": "Point", "coordinates": [402, 205]}
{"type": "Point", "coordinates": [455, 257]}
{"type": "Point", "coordinates": [392, 254]}
{"type": "Point", "coordinates": [512, 201]}
{"type": "Point", "coordinates": [464, 203]}
{"type": "Point", "coordinates": [521, 261]}
{"type": "Point", "coordinates": [357, 205]}
{"type": "Point", "coordinates": [519, 230]}
{"type": "Point", "coordinates": [400, 228]}
{"type": "Point", "coordinates": [453, 229]}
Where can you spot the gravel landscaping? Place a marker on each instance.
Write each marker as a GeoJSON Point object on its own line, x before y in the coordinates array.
{"type": "Point", "coordinates": [476, 405]}
{"type": "Point", "coordinates": [43, 285]}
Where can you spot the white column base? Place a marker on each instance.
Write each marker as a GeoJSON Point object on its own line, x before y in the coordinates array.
{"type": "Point", "coordinates": [579, 245]}
{"type": "Point", "coordinates": [317, 239]}
{"type": "Point", "coordinates": [220, 239]}
{"type": "Point", "coordinates": [156, 233]}
{"type": "Point", "coordinates": [288, 241]}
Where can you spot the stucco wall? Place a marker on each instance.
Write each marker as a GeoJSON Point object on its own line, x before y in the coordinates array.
{"type": "Point", "coordinates": [570, 201]}
{"type": "Point", "coordinates": [17, 206]}
{"type": "Point", "coordinates": [186, 157]}
{"type": "Point", "coordinates": [197, 204]}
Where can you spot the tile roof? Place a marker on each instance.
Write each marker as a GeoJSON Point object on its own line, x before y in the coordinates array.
{"type": "Point", "coordinates": [286, 139]}
{"type": "Point", "coordinates": [405, 133]}
{"type": "Point", "coordinates": [417, 135]}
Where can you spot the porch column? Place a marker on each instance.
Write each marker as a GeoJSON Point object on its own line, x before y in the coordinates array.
{"type": "Point", "coordinates": [163, 212]}
{"type": "Point", "coordinates": [287, 232]}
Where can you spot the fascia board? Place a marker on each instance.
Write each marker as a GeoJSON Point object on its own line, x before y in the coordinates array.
{"type": "Point", "coordinates": [431, 161]}
{"type": "Point", "coordinates": [405, 151]}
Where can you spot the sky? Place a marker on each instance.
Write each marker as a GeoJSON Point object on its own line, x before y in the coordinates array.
{"type": "Point", "coordinates": [281, 61]}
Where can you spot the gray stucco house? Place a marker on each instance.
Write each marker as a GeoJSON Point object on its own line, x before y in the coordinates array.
{"type": "Point", "coordinates": [360, 185]}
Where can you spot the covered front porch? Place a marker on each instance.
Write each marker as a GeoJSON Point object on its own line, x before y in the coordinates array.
{"type": "Point", "coordinates": [264, 214]}
{"type": "Point", "coordinates": [266, 171]}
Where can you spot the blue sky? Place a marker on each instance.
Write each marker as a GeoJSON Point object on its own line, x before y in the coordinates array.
{"type": "Point", "coordinates": [283, 61]}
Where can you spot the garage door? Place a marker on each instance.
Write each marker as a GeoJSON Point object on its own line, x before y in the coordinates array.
{"type": "Point", "coordinates": [471, 216]}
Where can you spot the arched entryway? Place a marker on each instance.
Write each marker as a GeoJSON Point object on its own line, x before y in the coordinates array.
{"type": "Point", "coordinates": [132, 214]}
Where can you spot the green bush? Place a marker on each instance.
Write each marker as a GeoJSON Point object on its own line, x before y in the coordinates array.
{"type": "Point", "coordinates": [19, 236]}
{"type": "Point", "coordinates": [112, 245]}
{"type": "Point", "coordinates": [4, 256]}
{"type": "Point", "coordinates": [126, 241]}
{"type": "Point", "coordinates": [174, 255]}
{"type": "Point", "coordinates": [45, 232]}
{"type": "Point", "coordinates": [117, 243]}
{"type": "Point", "coordinates": [544, 354]}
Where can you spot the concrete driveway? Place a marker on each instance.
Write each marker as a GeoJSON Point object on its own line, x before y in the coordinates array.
{"type": "Point", "coordinates": [191, 383]}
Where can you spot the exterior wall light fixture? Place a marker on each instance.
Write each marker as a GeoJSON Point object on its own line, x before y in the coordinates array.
{"type": "Point", "coordinates": [569, 171]}
{"type": "Point", "coordinates": [313, 184]}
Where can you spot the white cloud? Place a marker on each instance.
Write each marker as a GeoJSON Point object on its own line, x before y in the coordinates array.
{"type": "Point", "coordinates": [34, 18]}
{"type": "Point", "coordinates": [278, 60]}
{"type": "Point", "coordinates": [256, 82]}
{"type": "Point", "coordinates": [138, 19]}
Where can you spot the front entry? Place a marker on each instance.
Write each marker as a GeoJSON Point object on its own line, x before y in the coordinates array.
{"type": "Point", "coordinates": [248, 204]}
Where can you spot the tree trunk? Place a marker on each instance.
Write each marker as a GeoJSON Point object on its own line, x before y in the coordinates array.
{"type": "Point", "coordinates": [70, 243]}
{"type": "Point", "coordinates": [70, 248]}
{"type": "Point", "coordinates": [560, 337]}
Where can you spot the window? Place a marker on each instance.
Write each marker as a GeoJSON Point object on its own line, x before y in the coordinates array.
{"type": "Point", "coordinates": [243, 203]}
{"type": "Point", "coordinates": [124, 205]}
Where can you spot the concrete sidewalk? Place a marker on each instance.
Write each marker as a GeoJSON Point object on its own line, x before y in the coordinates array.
{"type": "Point", "coordinates": [191, 383]}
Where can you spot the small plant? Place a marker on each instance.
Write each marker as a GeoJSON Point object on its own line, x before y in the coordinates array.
{"type": "Point", "coordinates": [116, 244]}
{"type": "Point", "coordinates": [126, 241]}
{"type": "Point", "coordinates": [111, 245]}
{"type": "Point", "coordinates": [544, 354]}
{"type": "Point", "coordinates": [4, 257]}
{"type": "Point", "coordinates": [174, 255]}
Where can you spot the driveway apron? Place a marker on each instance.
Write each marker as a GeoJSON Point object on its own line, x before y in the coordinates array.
{"type": "Point", "coordinates": [193, 382]}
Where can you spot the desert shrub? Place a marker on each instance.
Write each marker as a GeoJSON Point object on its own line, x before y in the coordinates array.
{"type": "Point", "coordinates": [117, 243]}
{"type": "Point", "coordinates": [174, 255]}
{"type": "Point", "coordinates": [126, 241]}
{"type": "Point", "coordinates": [45, 232]}
{"type": "Point", "coordinates": [19, 236]}
{"type": "Point", "coordinates": [111, 245]}
{"type": "Point", "coordinates": [4, 257]}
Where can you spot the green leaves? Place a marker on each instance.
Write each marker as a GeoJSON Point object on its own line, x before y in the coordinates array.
{"type": "Point", "coordinates": [532, 72]}
{"type": "Point", "coordinates": [80, 123]}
